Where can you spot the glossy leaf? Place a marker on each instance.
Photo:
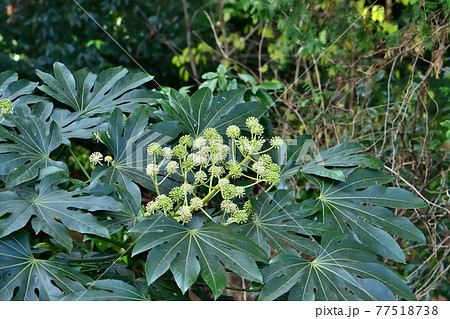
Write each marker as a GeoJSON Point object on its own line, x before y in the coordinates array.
{"type": "Point", "coordinates": [353, 207]}
{"type": "Point", "coordinates": [28, 149]}
{"type": "Point", "coordinates": [198, 248]}
{"type": "Point", "coordinates": [86, 92]}
{"type": "Point", "coordinates": [53, 210]}
{"type": "Point", "coordinates": [128, 216]}
{"type": "Point", "coordinates": [19, 92]}
{"type": "Point", "coordinates": [344, 270]}
{"type": "Point", "coordinates": [331, 162]}
{"type": "Point", "coordinates": [201, 111]}
{"type": "Point", "coordinates": [277, 224]}
{"type": "Point", "coordinates": [24, 277]}
{"type": "Point", "coordinates": [128, 144]}
{"type": "Point", "coordinates": [107, 290]}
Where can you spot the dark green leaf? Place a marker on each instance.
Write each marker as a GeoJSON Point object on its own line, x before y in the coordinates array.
{"type": "Point", "coordinates": [330, 162]}
{"type": "Point", "coordinates": [199, 248]}
{"type": "Point", "coordinates": [28, 150]}
{"type": "Point", "coordinates": [351, 207]}
{"type": "Point", "coordinates": [86, 92]}
{"type": "Point", "coordinates": [202, 112]}
{"type": "Point", "coordinates": [344, 270]}
{"type": "Point", "coordinates": [128, 144]}
{"type": "Point", "coordinates": [24, 277]}
{"type": "Point", "coordinates": [276, 224]}
{"type": "Point", "coordinates": [107, 290]}
{"type": "Point", "coordinates": [52, 210]}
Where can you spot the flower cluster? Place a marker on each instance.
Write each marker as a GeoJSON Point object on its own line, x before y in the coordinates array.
{"type": "Point", "coordinates": [6, 107]}
{"type": "Point", "coordinates": [210, 167]}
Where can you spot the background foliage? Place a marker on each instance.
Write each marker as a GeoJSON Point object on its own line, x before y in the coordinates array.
{"type": "Point", "coordinates": [373, 72]}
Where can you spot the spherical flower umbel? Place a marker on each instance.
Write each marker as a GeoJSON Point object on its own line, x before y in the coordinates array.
{"type": "Point", "coordinates": [199, 143]}
{"type": "Point", "coordinates": [186, 140]}
{"type": "Point", "coordinates": [152, 170]}
{"type": "Point", "coordinates": [235, 170]}
{"type": "Point", "coordinates": [188, 188]}
{"type": "Point", "coordinates": [6, 106]}
{"type": "Point", "coordinates": [176, 194]}
{"type": "Point", "coordinates": [240, 191]}
{"type": "Point", "coordinates": [196, 203]}
{"type": "Point", "coordinates": [154, 149]}
{"type": "Point", "coordinates": [257, 129]}
{"type": "Point", "coordinates": [228, 206]}
{"type": "Point", "coordinates": [240, 216]}
{"type": "Point", "coordinates": [229, 191]}
{"type": "Point", "coordinates": [172, 167]}
{"type": "Point", "coordinates": [96, 158]}
{"type": "Point", "coordinates": [276, 142]}
{"type": "Point", "coordinates": [200, 177]}
{"type": "Point", "coordinates": [251, 121]}
{"type": "Point", "coordinates": [179, 151]}
{"type": "Point", "coordinates": [164, 203]}
{"type": "Point", "coordinates": [233, 132]}
{"type": "Point", "coordinates": [167, 152]}
{"type": "Point", "coordinates": [184, 214]}
{"type": "Point", "coordinates": [151, 207]}
{"type": "Point", "coordinates": [223, 182]}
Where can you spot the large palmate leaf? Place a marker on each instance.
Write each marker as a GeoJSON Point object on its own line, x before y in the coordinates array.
{"type": "Point", "coordinates": [17, 91]}
{"type": "Point", "coordinates": [276, 224]}
{"type": "Point", "coordinates": [352, 207]}
{"type": "Point", "coordinates": [332, 162]}
{"type": "Point", "coordinates": [86, 92]}
{"type": "Point", "coordinates": [128, 216]}
{"type": "Point", "coordinates": [128, 144]}
{"type": "Point", "coordinates": [107, 290]}
{"type": "Point", "coordinates": [24, 277]}
{"type": "Point", "coordinates": [344, 270]}
{"type": "Point", "coordinates": [29, 149]}
{"type": "Point", "coordinates": [201, 111]}
{"type": "Point", "coordinates": [197, 249]}
{"type": "Point", "coordinates": [72, 124]}
{"type": "Point", "coordinates": [53, 210]}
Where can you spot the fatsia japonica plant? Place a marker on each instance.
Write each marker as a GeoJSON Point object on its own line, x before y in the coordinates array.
{"type": "Point", "coordinates": [110, 191]}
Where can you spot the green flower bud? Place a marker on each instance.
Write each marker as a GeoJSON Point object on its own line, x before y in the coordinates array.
{"type": "Point", "coordinates": [276, 142]}
{"type": "Point", "coordinates": [164, 203]}
{"type": "Point", "coordinates": [233, 132]}
{"type": "Point", "coordinates": [176, 194]}
{"type": "Point", "coordinates": [229, 191]}
{"type": "Point", "coordinates": [240, 216]}
{"type": "Point", "coordinates": [154, 149]}
{"type": "Point", "coordinates": [188, 164]}
{"type": "Point", "coordinates": [235, 169]}
{"type": "Point", "coordinates": [179, 151]}
{"type": "Point", "coordinates": [6, 106]}
{"type": "Point", "coordinates": [186, 140]}
{"type": "Point", "coordinates": [196, 203]}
